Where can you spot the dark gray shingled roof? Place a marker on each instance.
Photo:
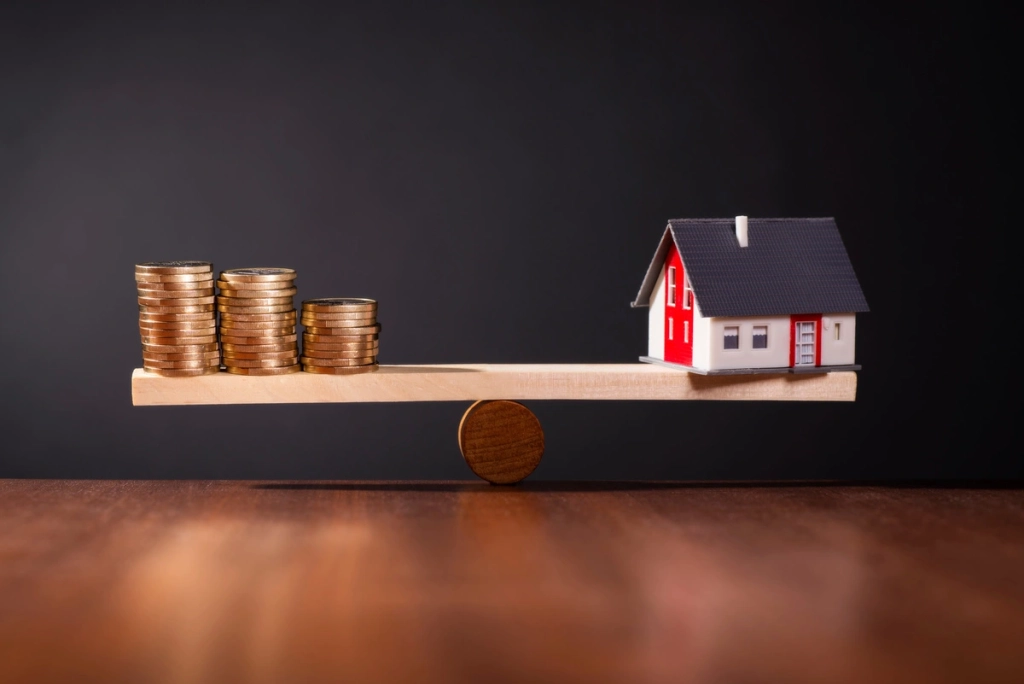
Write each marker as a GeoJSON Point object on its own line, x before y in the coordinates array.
{"type": "Point", "coordinates": [789, 266]}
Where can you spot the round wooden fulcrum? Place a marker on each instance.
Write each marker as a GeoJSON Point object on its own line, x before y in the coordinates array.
{"type": "Point", "coordinates": [502, 441]}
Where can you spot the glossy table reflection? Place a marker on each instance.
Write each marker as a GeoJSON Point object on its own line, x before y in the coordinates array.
{"type": "Point", "coordinates": [449, 582]}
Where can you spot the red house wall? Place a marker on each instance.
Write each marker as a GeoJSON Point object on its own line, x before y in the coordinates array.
{"type": "Point", "coordinates": [678, 344]}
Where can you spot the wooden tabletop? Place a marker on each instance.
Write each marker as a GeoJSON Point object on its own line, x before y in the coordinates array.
{"type": "Point", "coordinates": [448, 582]}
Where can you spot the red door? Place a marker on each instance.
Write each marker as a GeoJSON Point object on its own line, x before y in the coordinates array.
{"type": "Point", "coordinates": [805, 340]}
{"type": "Point", "coordinates": [678, 311]}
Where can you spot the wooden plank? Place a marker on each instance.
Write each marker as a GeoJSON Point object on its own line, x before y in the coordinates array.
{"type": "Point", "coordinates": [470, 382]}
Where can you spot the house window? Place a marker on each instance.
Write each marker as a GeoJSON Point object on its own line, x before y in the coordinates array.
{"type": "Point", "coordinates": [837, 333]}
{"type": "Point", "coordinates": [686, 332]}
{"type": "Point", "coordinates": [760, 338]}
{"type": "Point", "coordinates": [687, 294]}
{"type": "Point", "coordinates": [671, 285]}
{"type": "Point", "coordinates": [671, 329]}
{"type": "Point", "coordinates": [732, 337]}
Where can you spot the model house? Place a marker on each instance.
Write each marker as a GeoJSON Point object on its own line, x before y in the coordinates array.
{"type": "Point", "coordinates": [752, 295]}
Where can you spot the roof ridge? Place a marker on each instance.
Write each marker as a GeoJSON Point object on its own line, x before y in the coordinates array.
{"type": "Point", "coordinates": [753, 218]}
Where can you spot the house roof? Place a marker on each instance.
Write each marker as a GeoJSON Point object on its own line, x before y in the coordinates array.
{"type": "Point", "coordinates": [789, 266]}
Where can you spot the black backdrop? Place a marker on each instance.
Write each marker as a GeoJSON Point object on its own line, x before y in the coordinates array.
{"type": "Point", "coordinates": [498, 178]}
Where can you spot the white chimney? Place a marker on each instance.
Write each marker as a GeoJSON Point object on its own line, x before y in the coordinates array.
{"type": "Point", "coordinates": [741, 230]}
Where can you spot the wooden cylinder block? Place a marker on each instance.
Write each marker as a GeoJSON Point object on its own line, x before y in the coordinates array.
{"type": "Point", "coordinates": [502, 441]}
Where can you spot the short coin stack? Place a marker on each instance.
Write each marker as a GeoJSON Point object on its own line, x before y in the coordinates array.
{"type": "Point", "coordinates": [257, 321]}
{"type": "Point", "coordinates": [341, 336]}
{"type": "Point", "coordinates": [176, 318]}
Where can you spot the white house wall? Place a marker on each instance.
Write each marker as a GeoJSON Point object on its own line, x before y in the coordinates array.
{"type": "Point", "coordinates": [701, 348]}
{"type": "Point", "coordinates": [838, 352]}
{"type": "Point", "coordinates": [656, 320]}
{"type": "Point", "coordinates": [718, 358]}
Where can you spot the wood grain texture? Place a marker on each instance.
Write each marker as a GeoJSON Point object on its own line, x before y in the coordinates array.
{"type": "Point", "coordinates": [502, 441]}
{"type": "Point", "coordinates": [166, 582]}
{"type": "Point", "coordinates": [470, 382]}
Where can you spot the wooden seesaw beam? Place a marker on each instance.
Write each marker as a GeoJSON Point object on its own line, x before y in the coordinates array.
{"type": "Point", "coordinates": [472, 382]}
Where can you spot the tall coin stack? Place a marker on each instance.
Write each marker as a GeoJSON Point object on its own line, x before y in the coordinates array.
{"type": "Point", "coordinates": [341, 336]}
{"type": "Point", "coordinates": [257, 321]}
{"type": "Point", "coordinates": [177, 322]}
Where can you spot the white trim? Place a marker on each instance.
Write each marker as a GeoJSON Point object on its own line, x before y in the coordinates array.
{"type": "Point", "coordinates": [671, 285]}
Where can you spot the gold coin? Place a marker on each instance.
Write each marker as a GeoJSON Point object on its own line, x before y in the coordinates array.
{"type": "Point", "coordinates": [173, 267]}
{"type": "Point", "coordinates": [178, 325]}
{"type": "Point", "coordinates": [174, 318]}
{"type": "Point", "coordinates": [259, 342]}
{"type": "Point", "coordinates": [199, 308]}
{"type": "Point", "coordinates": [256, 328]}
{"type": "Point", "coordinates": [339, 304]}
{"type": "Point", "coordinates": [275, 333]}
{"type": "Point", "coordinates": [340, 370]}
{"type": "Point", "coordinates": [171, 287]}
{"type": "Point", "coordinates": [259, 318]}
{"type": "Point", "coordinates": [336, 353]}
{"type": "Point", "coordinates": [232, 331]}
{"type": "Point", "coordinates": [249, 294]}
{"type": "Point", "coordinates": [251, 310]}
{"type": "Point", "coordinates": [175, 301]}
{"type": "Point", "coordinates": [176, 340]}
{"type": "Point", "coordinates": [361, 361]}
{"type": "Point", "coordinates": [178, 373]}
{"type": "Point", "coordinates": [316, 322]}
{"type": "Point", "coordinates": [257, 275]}
{"type": "Point", "coordinates": [251, 348]}
{"type": "Point", "coordinates": [281, 370]}
{"type": "Point", "coordinates": [339, 313]}
{"type": "Point", "coordinates": [180, 357]}
{"type": "Point", "coordinates": [336, 325]}
{"type": "Point", "coordinates": [189, 364]}
{"type": "Point", "coordinates": [364, 330]}
{"type": "Point", "coordinates": [260, 363]}
{"type": "Point", "coordinates": [255, 301]}
{"type": "Point", "coordinates": [179, 348]}
{"type": "Point", "coordinates": [147, 331]}
{"type": "Point", "coordinates": [336, 339]}
{"type": "Point", "coordinates": [187, 278]}
{"type": "Point", "coordinates": [343, 346]}
{"type": "Point", "coordinates": [158, 336]}
{"type": "Point", "coordinates": [181, 294]}
{"type": "Point", "coordinates": [250, 341]}
{"type": "Point", "coordinates": [261, 356]}
{"type": "Point", "coordinates": [254, 286]}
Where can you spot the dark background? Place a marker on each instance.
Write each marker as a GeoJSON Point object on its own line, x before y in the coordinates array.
{"type": "Point", "coordinates": [498, 178]}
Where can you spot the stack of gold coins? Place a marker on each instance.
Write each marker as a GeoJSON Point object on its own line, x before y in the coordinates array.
{"type": "Point", "coordinates": [176, 318]}
{"type": "Point", "coordinates": [341, 336]}
{"type": "Point", "coordinates": [257, 321]}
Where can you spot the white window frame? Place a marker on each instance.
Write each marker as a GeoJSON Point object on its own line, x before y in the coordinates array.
{"type": "Point", "coordinates": [687, 294]}
{"type": "Point", "coordinates": [753, 334]}
{"type": "Point", "coordinates": [726, 335]}
{"type": "Point", "coordinates": [671, 285]}
{"type": "Point", "coordinates": [838, 335]}
{"type": "Point", "coordinates": [671, 329]}
{"type": "Point", "coordinates": [686, 332]}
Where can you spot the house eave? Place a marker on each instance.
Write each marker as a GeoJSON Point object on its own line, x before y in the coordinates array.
{"type": "Point", "coordinates": [643, 297]}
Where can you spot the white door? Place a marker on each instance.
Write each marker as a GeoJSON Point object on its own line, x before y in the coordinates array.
{"type": "Point", "coordinates": [805, 332]}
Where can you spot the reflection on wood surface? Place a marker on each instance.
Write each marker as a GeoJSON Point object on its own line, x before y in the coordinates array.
{"type": "Point", "coordinates": [376, 582]}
